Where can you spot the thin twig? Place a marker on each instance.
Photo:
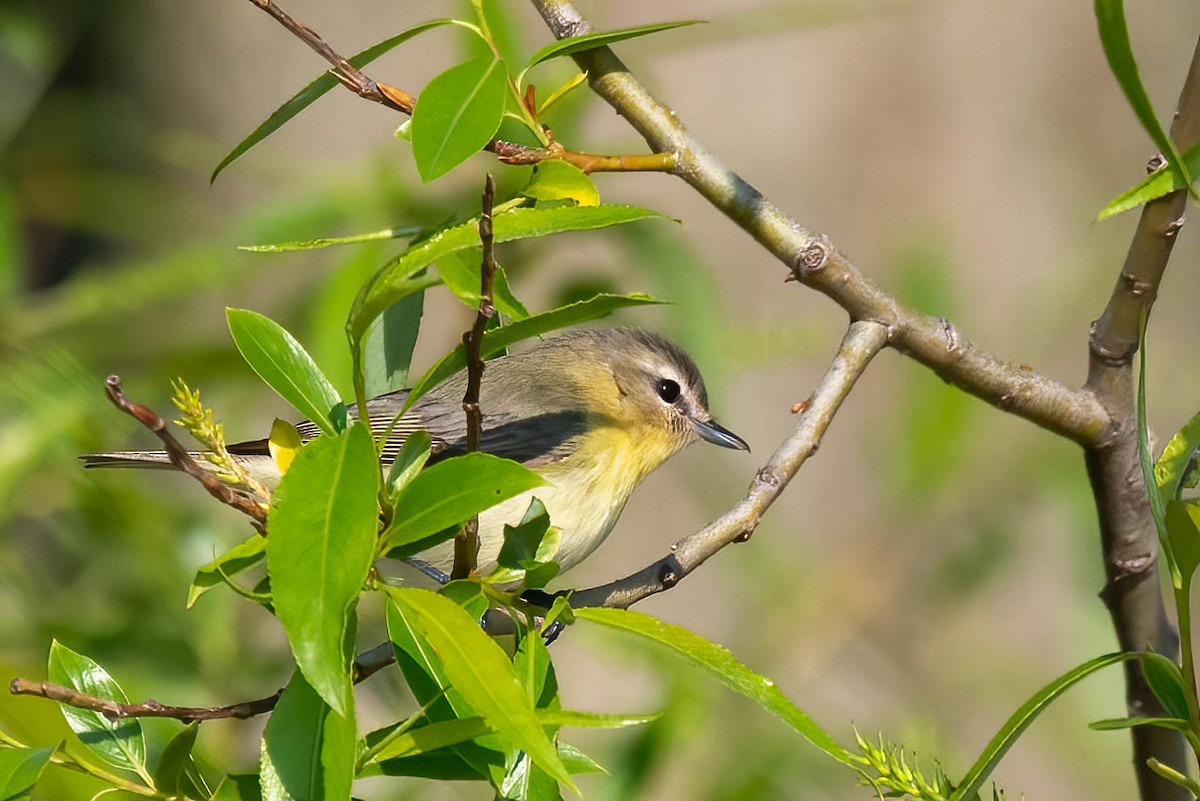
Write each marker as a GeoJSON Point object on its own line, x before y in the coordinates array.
{"type": "Point", "coordinates": [397, 99]}
{"type": "Point", "coordinates": [180, 457]}
{"type": "Point", "coordinates": [365, 665]}
{"type": "Point", "coordinates": [466, 544]}
{"type": "Point", "coordinates": [1127, 530]}
{"type": "Point", "coordinates": [862, 341]}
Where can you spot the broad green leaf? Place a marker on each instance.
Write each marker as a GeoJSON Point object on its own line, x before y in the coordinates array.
{"type": "Point", "coordinates": [388, 352]}
{"type": "Point", "coordinates": [320, 547]}
{"type": "Point", "coordinates": [460, 272]}
{"type": "Point", "coordinates": [479, 669]}
{"type": "Point", "coordinates": [1115, 724]}
{"type": "Point", "coordinates": [498, 340]}
{"type": "Point", "coordinates": [533, 666]}
{"type": "Point", "coordinates": [119, 743]}
{"type": "Point", "coordinates": [394, 279]}
{"type": "Point", "coordinates": [593, 720]}
{"type": "Point", "coordinates": [283, 363]}
{"type": "Point", "coordinates": [1183, 530]}
{"type": "Point", "coordinates": [724, 667]}
{"type": "Point", "coordinates": [1157, 184]}
{"type": "Point", "coordinates": [1114, 36]}
{"type": "Point", "coordinates": [457, 113]}
{"type": "Point", "coordinates": [308, 750]}
{"type": "Point", "coordinates": [592, 41]}
{"type": "Point", "coordinates": [504, 298]}
{"type": "Point", "coordinates": [402, 232]}
{"type": "Point", "coordinates": [1169, 472]}
{"type": "Point", "coordinates": [557, 180]}
{"type": "Point", "coordinates": [1020, 720]}
{"type": "Point", "coordinates": [433, 736]}
{"type": "Point", "coordinates": [448, 764]}
{"type": "Point", "coordinates": [451, 491]}
{"type": "Point", "coordinates": [411, 459]}
{"type": "Point", "coordinates": [529, 549]}
{"type": "Point", "coordinates": [20, 769]}
{"type": "Point", "coordinates": [526, 781]}
{"type": "Point", "coordinates": [177, 772]}
{"type": "Point", "coordinates": [468, 594]}
{"type": "Point", "coordinates": [239, 787]}
{"type": "Point", "coordinates": [237, 559]}
{"type": "Point", "coordinates": [577, 761]}
{"type": "Point", "coordinates": [309, 94]}
{"type": "Point", "coordinates": [1167, 683]}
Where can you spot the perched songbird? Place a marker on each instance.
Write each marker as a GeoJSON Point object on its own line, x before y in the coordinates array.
{"type": "Point", "coordinates": [593, 411]}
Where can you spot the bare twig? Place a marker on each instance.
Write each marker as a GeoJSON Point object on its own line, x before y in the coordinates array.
{"type": "Point", "coordinates": [466, 544]}
{"type": "Point", "coordinates": [862, 341]}
{"type": "Point", "coordinates": [183, 460]}
{"type": "Point", "coordinates": [1128, 534]}
{"type": "Point", "coordinates": [366, 664]}
{"type": "Point", "coordinates": [397, 99]}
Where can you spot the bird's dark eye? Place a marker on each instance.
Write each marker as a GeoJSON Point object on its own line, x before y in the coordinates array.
{"type": "Point", "coordinates": [668, 390]}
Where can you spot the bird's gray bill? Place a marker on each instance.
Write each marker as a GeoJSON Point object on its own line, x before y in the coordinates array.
{"type": "Point", "coordinates": [717, 434]}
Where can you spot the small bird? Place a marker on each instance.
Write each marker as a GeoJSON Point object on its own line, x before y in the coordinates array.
{"type": "Point", "coordinates": [594, 411]}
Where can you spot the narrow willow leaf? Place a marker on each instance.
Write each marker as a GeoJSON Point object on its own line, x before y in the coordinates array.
{"type": "Point", "coordinates": [1020, 720]}
{"type": "Point", "coordinates": [1167, 683]}
{"type": "Point", "coordinates": [390, 343]}
{"type": "Point", "coordinates": [308, 750]}
{"type": "Point", "coordinates": [479, 669]}
{"type": "Point", "coordinates": [723, 666]}
{"type": "Point", "coordinates": [1146, 461]}
{"type": "Point", "coordinates": [558, 180]}
{"type": "Point", "coordinates": [309, 94]}
{"type": "Point", "coordinates": [20, 769]}
{"type": "Point", "coordinates": [285, 365]}
{"type": "Point", "coordinates": [451, 491]}
{"type": "Point", "coordinates": [457, 113]}
{"type": "Point", "coordinates": [570, 85]}
{"type": "Point", "coordinates": [447, 764]}
{"type": "Point", "coordinates": [1114, 36]}
{"type": "Point", "coordinates": [320, 547]}
{"type": "Point", "coordinates": [460, 271]}
{"type": "Point", "coordinates": [402, 232]}
{"type": "Point", "coordinates": [237, 559]}
{"type": "Point", "coordinates": [394, 279]}
{"type": "Point", "coordinates": [1183, 531]}
{"type": "Point", "coordinates": [504, 298]}
{"type": "Point", "coordinates": [496, 341]}
{"type": "Point", "coordinates": [593, 720]}
{"type": "Point", "coordinates": [577, 761]}
{"type": "Point", "coordinates": [424, 739]}
{"type": "Point", "coordinates": [411, 459]}
{"type": "Point", "coordinates": [1115, 724]}
{"type": "Point", "coordinates": [118, 743]}
{"type": "Point", "coordinates": [591, 41]}
{"type": "Point", "coordinates": [1157, 184]}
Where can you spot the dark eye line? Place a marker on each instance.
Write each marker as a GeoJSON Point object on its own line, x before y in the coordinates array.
{"type": "Point", "coordinates": [668, 390]}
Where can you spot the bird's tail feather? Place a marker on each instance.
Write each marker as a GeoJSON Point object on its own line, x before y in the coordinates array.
{"type": "Point", "coordinates": [152, 460]}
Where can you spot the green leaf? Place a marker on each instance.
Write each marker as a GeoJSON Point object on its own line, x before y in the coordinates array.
{"type": "Point", "coordinates": [1171, 468]}
{"type": "Point", "coordinates": [1157, 184]}
{"type": "Point", "coordinates": [390, 342]}
{"type": "Point", "coordinates": [460, 272]}
{"type": "Point", "coordinates": [446, 764]}
{"type": "Point", "coordinates": [20, 769]}
{"type": "Point", "coordinates": [591, 41]}
{"type": "Point", "coordinates": [393, 280]}
{"type": "Point", "coordinates": [119, 743]}
{"type": "Point", "coordinates": [238, 787]}
{"type": "Point", "coordinates": [503, 297]}
{"type": "Point", "coordinates": [1115, 724]}
{"type": "Point", "coordinates": [237, 559]}
{"type": "Point", "coordinates": [1146, 461]}
{"type": "Point", "coordinates": [724, 667]}
{"type": "Point", "coordinates": [309, 94]}
{"type": "Point", "coordinates": [458, 113]}
{"type": "Point", "coordinates": [528, 550]}
{"type": "Point", "coordinates": [1114, 36]}
{"type": "Point", "coordinates": [557, 180]}
{"type": "Point", "coordinates": [577, 761]}
{"type": "Point", "coordinates": [285, 365]}
{"type": "Point", "coordinates": [308, 750]}
{"type": "Point", "coordinates": [411, 459]}
{"type": "Point", "coordinates": [453, 490]}
{"type": "Point", "coordinates": [320, 547]}
{"type": "Point", "coordinates": [498, 340]}
{"type": "Point", "coordinates": [533, 666]}
{"type": "Point", "coordinates": [433, 736]}
{"type": "Point", "coordinates": [177, 773]}
{"type": "Point", "coordinates": [481, 672]}
{"type": "Point", "coordinates": [1183, 531]}
{"type": "Point", "coordinates": [593, 720]}
{"type": "Point", "coordinates": [402, 232]}
{"type": "Point", "coordinates": [1020, 720]}
{"type": "Point", "coordinates": [1167, 683]}
{"type": "Point", "coordinates": [468, 594]}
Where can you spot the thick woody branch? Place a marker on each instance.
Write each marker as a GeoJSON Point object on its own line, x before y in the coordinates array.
{"type": "Point", "coordinates": [1128, 534]}
{"type": "Point", "coordinates": [367, 663]}
{"type": "Point", "coordinates": [860, 344]}
{"type": "Point", "coordinates": [466, 544]}
{"type": "Point", "coordinates": [397, 99]}
{"type": "Point", "coordinates": [180, 457]}
{"type": "Point", "coordinates": [813, 260]}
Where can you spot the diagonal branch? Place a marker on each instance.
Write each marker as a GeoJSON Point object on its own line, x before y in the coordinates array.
{"type": "Point", "coordinates": [862, 341]}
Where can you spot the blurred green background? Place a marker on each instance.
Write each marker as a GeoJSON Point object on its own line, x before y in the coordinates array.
{"type": "Point", "coordinates": [937, 562]}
